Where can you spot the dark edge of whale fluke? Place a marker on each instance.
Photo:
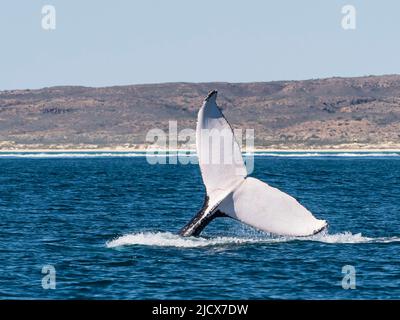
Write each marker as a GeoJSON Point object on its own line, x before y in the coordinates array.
{"type": "Point", "coordinates": [210, 94]}
{"type": "Point", "coordinates": [325, 227]}
{"type": "Point", "coordinates": [196, 225]}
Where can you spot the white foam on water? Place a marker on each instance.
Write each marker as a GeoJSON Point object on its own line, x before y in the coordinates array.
{"type": "Point", "coordinates": [348, 237]}
{"type": "Point", "coordinates": [327, 154]}
{"type": "Point", "coordinates": [345, 237]}
{"type": "Point", "coordinates": [167, 239]}
{"type": "Point", "coordinates": [186, 154]}
{"type": "Point", "coordinates": [89, 155]}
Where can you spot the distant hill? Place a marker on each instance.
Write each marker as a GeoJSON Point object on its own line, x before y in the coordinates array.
{"type": "Point", "coordinates": [303, 114]}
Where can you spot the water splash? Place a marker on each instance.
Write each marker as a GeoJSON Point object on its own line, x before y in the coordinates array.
{"type": "Point", "coordinates": [167, 239]}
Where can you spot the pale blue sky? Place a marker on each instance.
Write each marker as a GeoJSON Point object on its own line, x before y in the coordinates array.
{"type": "Point", "coordinates": [102, 43]}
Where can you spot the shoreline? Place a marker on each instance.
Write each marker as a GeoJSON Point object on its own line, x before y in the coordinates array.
{"type": "Point", "coordinates": [145, 150]}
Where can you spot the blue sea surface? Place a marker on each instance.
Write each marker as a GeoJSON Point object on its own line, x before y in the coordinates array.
{"type": "Point", "coordinates": [108, 225]}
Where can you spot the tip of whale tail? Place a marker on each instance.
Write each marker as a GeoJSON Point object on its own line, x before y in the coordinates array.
{"type": "Point", "coordinates": [324, 227]}
{"type": "Point", "coordinates": [212, 93]}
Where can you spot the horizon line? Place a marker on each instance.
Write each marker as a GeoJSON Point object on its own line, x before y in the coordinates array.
{"type": "Point", "coordinates": [193, 82]}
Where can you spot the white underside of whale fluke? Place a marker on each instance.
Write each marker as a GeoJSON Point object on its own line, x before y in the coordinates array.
{"type": "Point", "coordinates": [231, 193]}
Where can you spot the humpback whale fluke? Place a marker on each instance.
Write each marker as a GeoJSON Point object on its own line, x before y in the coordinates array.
{"type": "Point", "coordinates": [229, 192]}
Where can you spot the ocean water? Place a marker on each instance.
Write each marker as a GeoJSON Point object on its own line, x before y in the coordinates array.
{"type": "Point", "coordinates": [107, 223]}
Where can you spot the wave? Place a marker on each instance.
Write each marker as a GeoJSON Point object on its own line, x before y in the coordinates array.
{"type": "Point", "coordinates": [323, 154]}
{"type": "Point", "coordinates": [167, 239]}
{"type": "Point", "coordinates": [88, 155]}
{"type": "Point", "coordinates": [188, 154]}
